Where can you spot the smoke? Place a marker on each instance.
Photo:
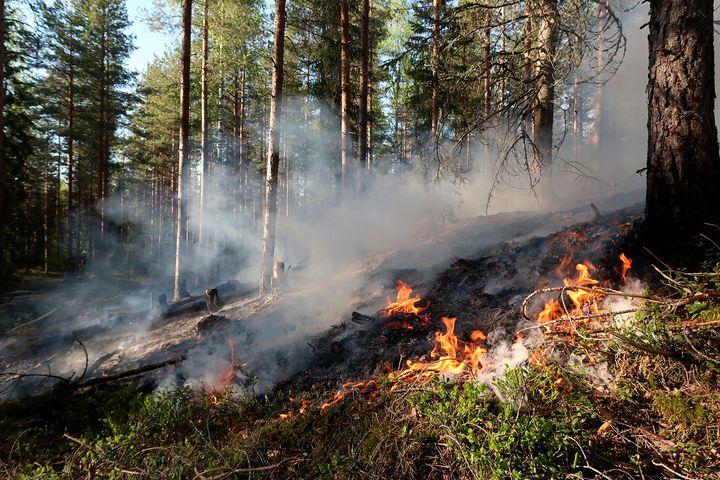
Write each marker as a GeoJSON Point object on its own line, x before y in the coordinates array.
{"type": "Point", "coordinates": [341, 252]}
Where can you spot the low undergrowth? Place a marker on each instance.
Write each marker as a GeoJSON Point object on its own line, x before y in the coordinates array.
{"type": "Point", "coordinates": [641, 403]}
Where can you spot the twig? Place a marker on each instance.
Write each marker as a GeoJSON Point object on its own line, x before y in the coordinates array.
{"type": "Point", "coordinates": [42, 317]}
{"type": "Point", "coordinates": [660, 464]}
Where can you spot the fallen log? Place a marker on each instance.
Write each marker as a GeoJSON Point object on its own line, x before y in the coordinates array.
{"type": "Point", "coordinates": [128, 373]}
{"type": "Point", "coordinates": [360, 318]}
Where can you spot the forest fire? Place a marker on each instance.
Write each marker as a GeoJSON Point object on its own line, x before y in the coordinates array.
{"type": "Point", "coordinates": [229, 372]}
{"type": "Point", "coordinates": [404, 303]}
{"type": "Point", "coordinates": [584, 298]}
{"type": "Point", "coordinates": [405, 309]}
{"type": "Point", "coordinates": [454, 356]}
{"type": "Point", "coordinates": [362, 387]}
{"type": "Point", "coordinates": [625, 267]}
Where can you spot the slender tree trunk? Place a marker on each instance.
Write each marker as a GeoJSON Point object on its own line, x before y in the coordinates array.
{"type": "Point", "coordinates": [70, 159]}
{"type": "Point", "coordinates": [370, 110]}
{"type": "Point", "coordinates": [364, 82]}
{"type": "Point", "coordinates": [102, 161]}
{"type": "Point", "coordinates": [183, 151]}
{"type": "Point", "coordinates": [599, 118]}
{"type": "Point", "coordinates": [683, 167]}
{"type": "Point", "coordinates": [434, 61]}
{"type": "Point", "coordinates": [486, 79]}
{"type": "Point", "coordinates": [543, 111]}
{"type": "Point", "coordinates": [576, 120]}
{"type": "Point", "coordinates": [271, 178]}
{"type": "Point", "coordinates": [344, 91]}
{"type": "Point", "coordinates": [204, 140]}
{"type": "Point", "coordinates": [4, 266]}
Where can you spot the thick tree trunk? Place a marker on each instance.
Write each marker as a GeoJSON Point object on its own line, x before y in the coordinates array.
{"type": "Point", "coordinates": [545, 23]}
{"type": "Point", "coordinates": [273, 162]}
{"type": "Point", "coordinates": [364, 82]}
{"type": "Point", "coordinates": [344, 91]}
{"type": "Point", "coordinates": [183, 151]}
{"type": "Point", "coordinates": [683, 166]}
{"type": "Point", "coordinates": [204, 140]}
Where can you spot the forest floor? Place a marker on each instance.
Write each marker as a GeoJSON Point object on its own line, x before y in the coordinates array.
{"type": "Point", "coordinates": [632, 396]}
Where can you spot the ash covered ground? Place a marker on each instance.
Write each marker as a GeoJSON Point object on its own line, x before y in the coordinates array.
{"type": "Point", "coordinates": [303, 337]}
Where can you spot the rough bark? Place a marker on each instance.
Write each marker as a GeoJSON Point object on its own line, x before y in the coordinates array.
{"type": "Point", "coordinates": [183, 150]}
{"type": "Point", "coordinates": [545, 23]}
{"type": "Point", "coordinates": [364, 82]}
{"type": "Point", "coordinates": [683, 164]}
{"type": "Point", "coordinates": [273, 161]}
{"type": "Point", "coordinates": [204, 140]}
{"type": "Point", "coordinates": [344, 91]}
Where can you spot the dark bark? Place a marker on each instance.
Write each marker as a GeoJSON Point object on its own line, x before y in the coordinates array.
{"type": "Point", "coordinates": [183, 150]}
{"type": "Point", "coordinates": [683, 164]}
{"type": "Point", "coordinates": [273, 162]}
{"type": "Point", "coordinates": [545, 23]}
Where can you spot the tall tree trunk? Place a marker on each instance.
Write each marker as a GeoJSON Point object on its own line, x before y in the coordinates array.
{"type": "Point", "coordinates": [364, 82]}
{"type": "Point", "coordinates": [204, 143]}
{"type": "Point", "coordinates": [577, 127]}
{"type": "Point", "coordinates": [273, 162]}
{"type": "Point", "coordinates": [683, 164]}
{"type": "Point", "coordinates": [70, 159]}
{"type": "Point", "coordinates": [344, 91]}
{"type": "Point", "coordinates": [183, 151]}
{"type": "Point", "coordinates": [486, 78]}
{"type": "Point", "coordinates": [3, 181]}
{"type": "Point", "coordinates": [599, 117]}
{"type": "Point", "coordinates": [102, 160]}
{"type": "Point", "coordinates": [545, 23]}
{"type": "Point", "coordinates": [434, 64]}
{"type": "Point", "coordinates": [370, 110]}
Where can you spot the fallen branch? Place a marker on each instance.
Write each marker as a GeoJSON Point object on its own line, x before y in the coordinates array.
{"type": "Point", "coordinates": [129, 373]}
{"type": "Point", "coordinates": [42, 317]}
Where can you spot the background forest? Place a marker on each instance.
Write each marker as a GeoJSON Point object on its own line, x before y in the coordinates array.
{"type": "Point", "coordinates": [493, 94]}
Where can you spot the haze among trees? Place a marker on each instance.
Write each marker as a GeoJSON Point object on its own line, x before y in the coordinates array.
{"type": "Point", "coordinates": [130, 173]}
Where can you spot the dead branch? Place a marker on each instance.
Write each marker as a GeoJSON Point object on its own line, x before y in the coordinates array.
{"type": "Point", "coordinates": [128, 373]}
{"type": "Point", "coordinates": [41, 317]}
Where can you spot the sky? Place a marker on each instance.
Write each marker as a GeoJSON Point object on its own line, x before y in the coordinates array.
{"type": "Point", "coordinates": [147, 43]}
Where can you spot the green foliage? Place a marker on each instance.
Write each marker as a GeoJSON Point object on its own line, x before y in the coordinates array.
{"type": "Point", "coordinates": [536, 436]}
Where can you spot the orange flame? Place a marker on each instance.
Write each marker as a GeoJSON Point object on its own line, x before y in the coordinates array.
{"type": "Point", "coordinates": [582, 301]}
{"type": "Point", "coordinates": [404, 303]}
{"type": "Point", "coordinates": [453, 354]}
{"type": "Point", "coordinates": [363, 387]}
{"type": "Point", "coordinates": [570, 241]}
{"type": "Point", "coordinates": [229, 372]}
{"type": "Point", "coordinates": [626, 263]}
